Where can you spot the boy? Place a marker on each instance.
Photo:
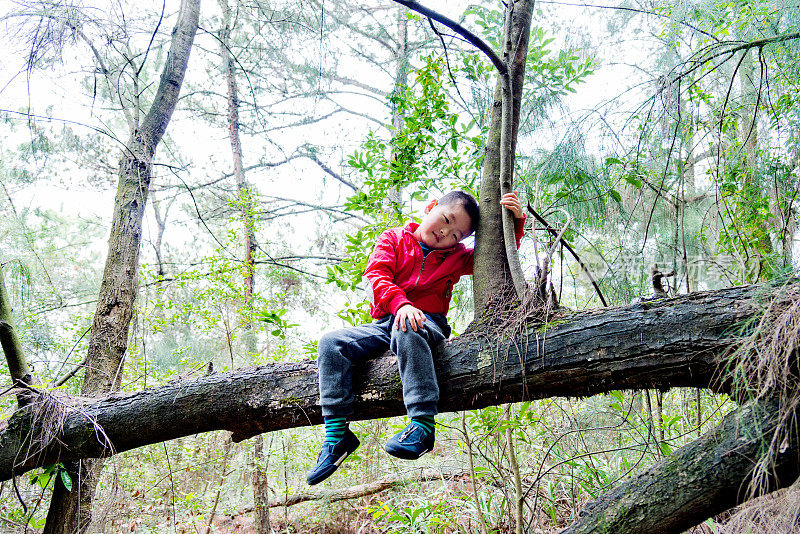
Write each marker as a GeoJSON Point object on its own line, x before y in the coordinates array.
{"type": "Point", "coordinates": [411, 273]}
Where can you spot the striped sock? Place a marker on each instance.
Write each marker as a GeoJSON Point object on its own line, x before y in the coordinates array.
{"type": "Point", "coordinates": [425, 422]}
{"type": "Point", "coordinates": [334, 429]}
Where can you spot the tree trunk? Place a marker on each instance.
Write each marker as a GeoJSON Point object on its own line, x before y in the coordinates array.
{"type": "Point", "coordinates": [699, 480]}
{"type": "Point", "coordinates": [748, 136]}
{"type": "Point", "coordinates": [658, 344]}
{"type": "Point", "coordinates": [515, 54]}
{"type": "Point", "coordinates": [395, 194]}
{"type": "Point", "coordinates": [246, 204]}
{"type": "Point", "coordinates": [12, 347]}
{"type": "Point", "coordinates": [519, 496]}
{"type": "Point", "coordinates": [260, 485]}
{"type": "Point", "coordinates": [245, 200]}
{"type": "Point", "coordinates": [492, 280]}
{"type": "Point", "coordinates": [68, 512]}
{"type": "Point", "coordinates": [109, 338]}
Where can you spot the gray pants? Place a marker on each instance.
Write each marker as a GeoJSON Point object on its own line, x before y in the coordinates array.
{"type": "Point", "coordinates": [340, 350]}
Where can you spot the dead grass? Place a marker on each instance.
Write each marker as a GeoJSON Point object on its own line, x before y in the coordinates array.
{"type": "Point", "coordinates": [777, 512]}
{"type": "Point", "coordinates": [768, 356]}
{"type": "Point", "coordinates": [766, 365]}
{"type": "Point", "coordinates": [48, 413]}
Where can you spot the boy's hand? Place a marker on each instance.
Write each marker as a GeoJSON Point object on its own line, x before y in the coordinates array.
{"type": "Point", "coordinates": [511, 201]}
{"type": "Point", "coordinates": [414, 316]}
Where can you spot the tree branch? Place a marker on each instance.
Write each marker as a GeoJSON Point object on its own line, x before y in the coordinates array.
{"type": "Point", "coordinates": [569, 248]}
{"type": "Point", "coordinates": [473, 39]}
{"type": "Point", "coordinates": [361, 490]}
{"type": "Point", "coordinates": [517, 27]}
{"type": "Point", "coordinates": [12, 347]}
{"type": "Point", "coordinates": [313, 157]}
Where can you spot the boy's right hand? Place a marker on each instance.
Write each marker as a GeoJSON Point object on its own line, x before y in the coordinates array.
{"type": "Point", "coordinates": [512, 202]}
{"type": "Point", "coordinates": [414, 316]}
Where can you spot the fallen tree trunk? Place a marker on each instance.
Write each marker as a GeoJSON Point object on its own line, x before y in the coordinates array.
{"type": "Point", "coordinates": [657, 344]}
{"type": "Point", "coordinates": [701, 479]}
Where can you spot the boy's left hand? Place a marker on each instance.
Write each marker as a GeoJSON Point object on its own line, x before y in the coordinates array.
{"type": "Point", "coordinates": [411, 315]}
{"type": "Point", "coordinates": [512, 202]}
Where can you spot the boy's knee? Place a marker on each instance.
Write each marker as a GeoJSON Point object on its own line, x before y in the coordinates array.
{"type": "Point", "coordinates": [409, 336]}
{"type": "Point", "coordinates": [328, 344]}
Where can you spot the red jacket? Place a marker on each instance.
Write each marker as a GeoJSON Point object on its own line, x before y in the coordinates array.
{"type": "Point", "coordinates": [399, 275]}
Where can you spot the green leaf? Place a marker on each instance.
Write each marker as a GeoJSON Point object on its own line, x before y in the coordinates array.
{"type": "Point", "coordinates": [615, 195]}
{"type": "Point", "coordinates": [613, 161]}
{"type": "Point", "coordinates": [66, 479]}
{"type": "Point", "coordinates": [665, 448]}
{"type": "Point", "coordinates": [631, 179]}
{"type": "Point", "coordinates": [43, 479]}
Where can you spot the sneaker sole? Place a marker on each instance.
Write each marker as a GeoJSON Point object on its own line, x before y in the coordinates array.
{"type": "Point", "coordinates": [404, 456]}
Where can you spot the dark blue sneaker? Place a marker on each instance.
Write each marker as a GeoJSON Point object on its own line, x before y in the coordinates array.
{"type": "Point", "coordinates": [331, 457]}
{"type": "Point", "coordinates": [411, 443]}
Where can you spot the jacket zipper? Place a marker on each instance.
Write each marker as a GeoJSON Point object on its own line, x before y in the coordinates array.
{"type": "Point", "coordinates": [421, 269]}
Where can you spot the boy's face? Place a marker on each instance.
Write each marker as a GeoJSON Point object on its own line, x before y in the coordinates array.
{"type": "Point", "coordinates": [444, 226]}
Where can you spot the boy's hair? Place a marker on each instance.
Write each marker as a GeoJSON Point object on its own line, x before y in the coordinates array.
{"type": "Point", "coordinates": [467, 201]}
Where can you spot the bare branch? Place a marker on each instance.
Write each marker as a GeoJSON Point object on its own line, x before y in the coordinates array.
{"type": "Point", "coordinates": [566, 244]}
{"type": "Point", "coordinates": [313, 157]}
{"type": "Point", "coordinates": [476, 41]}
{"type": "Point", "coordinates": [364, 490]}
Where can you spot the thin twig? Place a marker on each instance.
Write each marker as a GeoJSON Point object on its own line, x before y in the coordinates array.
{"type": "Point", "coordinates": [566, 244]}
{"type": "Point", "coordinates": [63, 380]}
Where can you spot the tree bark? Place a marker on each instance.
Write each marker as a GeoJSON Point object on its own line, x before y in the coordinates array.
{"type": "Point", "coordinates": [71, 511]}
{"type": "Point", "coordinates": [697, 481]}
{"type": "Point", "coordinates": [493, 278]}
{"type": "Point", "coordinates": [658, 344]}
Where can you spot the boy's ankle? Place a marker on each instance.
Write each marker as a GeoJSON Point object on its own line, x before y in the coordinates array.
{"type": "Point", "coordinates": [426, 422]}
{"type": "Point", "coordinates": [335, 428]}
